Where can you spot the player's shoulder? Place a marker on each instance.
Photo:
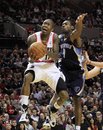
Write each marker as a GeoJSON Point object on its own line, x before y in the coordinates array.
{"type": "Point", "coordinates": [55, 35]}
{"type": "Point", "coordinates": [31, 36]}
{"type": "Point", "coordinates": [34, 34]}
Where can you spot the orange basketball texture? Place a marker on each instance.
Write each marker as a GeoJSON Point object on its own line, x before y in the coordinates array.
{"type": "Point", "coordinates": [36, 50]}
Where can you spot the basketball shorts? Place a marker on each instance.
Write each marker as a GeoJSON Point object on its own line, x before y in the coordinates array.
{"type": "Point", "coordinates": [75, 82]}
{"type": "Point", "coordinates": [47, 72]}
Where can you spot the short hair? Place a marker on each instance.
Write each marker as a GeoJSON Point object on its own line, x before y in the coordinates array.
{"type": "Point", "coordinates": [67, 20]}
{"type": "Point", "coordinates": [52, 22]}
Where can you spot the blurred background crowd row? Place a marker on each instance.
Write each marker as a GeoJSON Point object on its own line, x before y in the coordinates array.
{"type": "Point", "coordinates": [18, 19]}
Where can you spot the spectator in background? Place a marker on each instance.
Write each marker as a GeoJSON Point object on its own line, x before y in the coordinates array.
{"type": "Point", "coordinates": [1, 120]}
{"type": "Point", "coordinates": [34, 123]}
{"type": "Point", "coordinates": [28, 125]}
{"type": "Point", "coordinates": [8, 126]}
{"type": "Point", "coordinates": [84, 123]}
{"type": "Point", "coordinates": [92, 125]}
{"type": "Point", "coordinates": [99, 120]}
{"type": "Point", "coordinates": [69, 125]}
{"type": "Point", "coordinates": [46, 127]}
{"type": "Point", "coordinates": [13, 124]}
{"type": "Point", "coordinates": [21, 126]}
{"type": "Point", "coordinates": [41, 120]}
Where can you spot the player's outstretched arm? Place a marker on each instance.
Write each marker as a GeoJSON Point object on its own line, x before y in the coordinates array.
{"type": "Point", "coordinates": [76, 33]}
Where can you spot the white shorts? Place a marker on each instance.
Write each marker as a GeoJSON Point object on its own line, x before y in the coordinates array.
{"type": "Point", "coordinates": [47, 72]}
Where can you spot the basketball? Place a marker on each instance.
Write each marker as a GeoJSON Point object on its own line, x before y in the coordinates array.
{"type": "Point", "coordinates": [36, 50]}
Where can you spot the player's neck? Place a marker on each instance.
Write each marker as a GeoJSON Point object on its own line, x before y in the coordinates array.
{"type": "Point", "coordinates": [44, 37]}
{"type": "Point", "coordinates": [66, 34]}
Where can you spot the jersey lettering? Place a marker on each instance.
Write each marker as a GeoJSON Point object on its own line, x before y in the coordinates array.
{"type": "Point", "coordinates": [71, 56]}
{"type": "Point", "coordinates": [65, 46]}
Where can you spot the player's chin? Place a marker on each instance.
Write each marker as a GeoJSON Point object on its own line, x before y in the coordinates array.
{"type": "Point", "coordinates": [44, 31]}
{"type": "Point", "coordinates": [65, 31]}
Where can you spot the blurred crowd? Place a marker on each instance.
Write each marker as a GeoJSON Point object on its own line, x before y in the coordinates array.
{"type": "Point", "coordinates": [34, 12]}
{"type": "Point", "coordinates": [30, 11]}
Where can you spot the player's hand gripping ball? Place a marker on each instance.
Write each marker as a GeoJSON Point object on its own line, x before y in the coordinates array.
{"type": "Point", "coordinates": [37, 50]}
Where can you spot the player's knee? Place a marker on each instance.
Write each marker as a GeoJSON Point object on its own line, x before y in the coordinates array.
{"type": "Point", "coordinates": [28, 78]}
{"type": "Point", "coordinates": [63, 95]}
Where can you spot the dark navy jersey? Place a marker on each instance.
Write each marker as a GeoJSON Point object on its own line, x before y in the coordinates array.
{"type": "Point", "coordinates": [71, 56]}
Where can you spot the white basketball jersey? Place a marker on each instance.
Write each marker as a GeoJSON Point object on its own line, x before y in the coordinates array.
{"type": "Point", "coordinates": [49, 43]}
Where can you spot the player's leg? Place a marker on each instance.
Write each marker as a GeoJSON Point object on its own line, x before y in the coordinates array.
{"type": "Point", "coordinates": [25, 92]}
{"type": "Point", "coordinates": [77, 111]}
{"type": "Point", "coordinates": [62, 93]}
{"type": "Point", "coordinates": [53, 78]}
{"type": "Point", "coordinates": [58, 100]}
{"type": "Point", "coordinates": [60, 96]}
{"type": "Point", "coordinates": [78, 87]}
{"type": "Point", "coordinates": [56, 80]}
{"type": "Point", "coordinates": [32, 74]}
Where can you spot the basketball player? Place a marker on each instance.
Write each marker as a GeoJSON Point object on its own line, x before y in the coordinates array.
{"type": "Point", "coordinates": [44, 69]}
{"type": "Point", "coordinates": [71, 63]}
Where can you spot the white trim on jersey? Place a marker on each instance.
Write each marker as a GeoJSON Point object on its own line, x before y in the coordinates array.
{"type": "Point", "coordinates": [49, 44]}
{"type": "Point", "coordinates": [78, 52]}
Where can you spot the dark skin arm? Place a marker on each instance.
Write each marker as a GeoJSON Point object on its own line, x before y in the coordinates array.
{"type": "Point", "coordinates": [31, 39]}
{"type": "Point", "coordinates": [75, 35]}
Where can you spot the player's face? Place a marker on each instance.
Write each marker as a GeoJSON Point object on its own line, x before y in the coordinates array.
{"type": "Point", "coordinates": [47, 27]}
{"type": "Point", "coordinates": [66, 26]}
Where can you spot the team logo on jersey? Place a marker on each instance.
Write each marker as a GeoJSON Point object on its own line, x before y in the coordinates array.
{"type": "Point", "coordinates": [77, 89]}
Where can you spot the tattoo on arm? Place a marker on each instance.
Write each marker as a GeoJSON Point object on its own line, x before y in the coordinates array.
{"type": "Point", "coordinates": [31, 39]}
